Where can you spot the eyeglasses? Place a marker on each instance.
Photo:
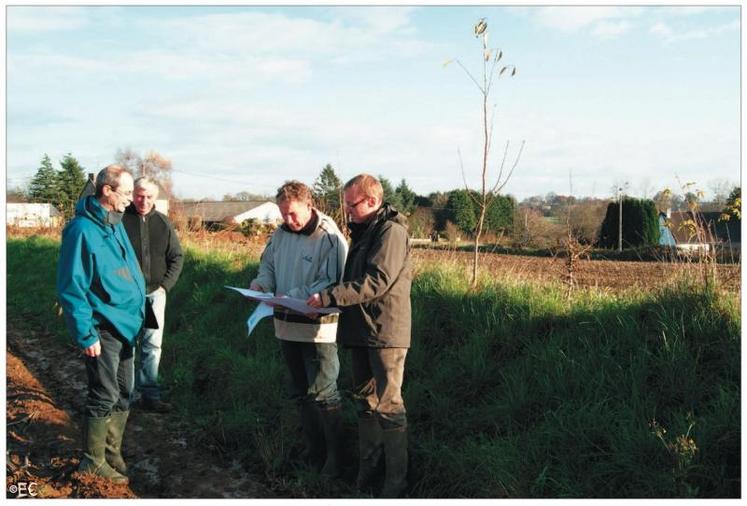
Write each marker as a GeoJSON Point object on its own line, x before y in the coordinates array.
{"type": "Point", "coordinates": [353, 206]}
{"type": "Point", "coordinates": [127, 195]}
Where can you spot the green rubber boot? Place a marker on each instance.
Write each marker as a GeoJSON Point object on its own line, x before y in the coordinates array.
{"type": "Point", "coordinates": [332, 423]}
{"type": "Point", "coordinates": [313, 433]}
{"type": "Point", "coordinates": [395, 457]}
{"type": "Point", "coordinates": [369, 450]}
{"type": "Point", "coordinates": [114, 441]}
{"type": "Point", "coordinates": [94, 456]}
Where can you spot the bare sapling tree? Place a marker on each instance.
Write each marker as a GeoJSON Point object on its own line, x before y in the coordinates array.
{"type": "Point", "coordinates": [574, 250]}
{"type": "Point", "coordinates": [485, 197]}
{"type": "Point", "coordinates": [153, 165]}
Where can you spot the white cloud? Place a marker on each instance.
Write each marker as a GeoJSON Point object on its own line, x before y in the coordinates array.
{"type": "Point", "coordinates": [611, 29]}
{"type": "Point", "coordinates": [274, 34]}
{"type": "Point", "coordinates": [45, 18]}
{"type": "Point", "coordinates": [378, 19]}
{"type": "Point", "coordinates": [670, 35]}
{"type": "Point", "coordinates": [571, 19]}
{"type": "Point", "coordinates": [662, 29]}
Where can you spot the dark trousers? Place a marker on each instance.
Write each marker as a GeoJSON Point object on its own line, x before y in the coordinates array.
{"type": "Point", "coordinates": [313, 369]}
{"type": "Point", "coordinates": [110, 376]}
{"type": "Point", "coordinates": [377, 382]}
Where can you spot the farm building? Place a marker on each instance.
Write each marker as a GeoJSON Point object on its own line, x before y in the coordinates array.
{"type": "Point", "coordinates": [223, 212]}
{"type": "Point", "coordinates": [723, 233]}
{"type": "Point", "coordinates": [32, 215]}
{"type": "Point", "coordinates": [162, 202]}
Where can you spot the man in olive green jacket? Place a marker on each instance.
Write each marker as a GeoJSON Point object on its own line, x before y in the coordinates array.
{"type": "Point", "coordinates": [375, 324]}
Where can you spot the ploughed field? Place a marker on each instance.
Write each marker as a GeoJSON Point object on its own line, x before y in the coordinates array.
{"type": "Point", "coordinates": [606, 274]}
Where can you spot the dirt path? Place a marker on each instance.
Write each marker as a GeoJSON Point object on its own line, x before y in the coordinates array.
{"type": "Point", "coordinates": [46, 391]}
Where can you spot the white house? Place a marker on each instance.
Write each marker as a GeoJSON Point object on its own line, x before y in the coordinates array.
{"type": "Point", "coordinates": [32, 215]}
{"type": "Point", "coordinates": [233, 211]}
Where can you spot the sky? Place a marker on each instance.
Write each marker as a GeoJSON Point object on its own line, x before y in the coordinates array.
{"type": "Point", "coordinates": [245, 98]}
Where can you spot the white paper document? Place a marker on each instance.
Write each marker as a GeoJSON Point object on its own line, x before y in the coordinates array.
{"type": "Point", "coordinates": [298, 305]}
{"type": "Point", "coordinates": [262, 311]}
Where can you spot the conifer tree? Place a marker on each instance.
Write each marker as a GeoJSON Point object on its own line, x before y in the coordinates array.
{"type": "Point", "coordinates": [44, 187]}
{"type": "Point", "coordinates": [72, 179]}
{"type": "Point", "coordinates": [406, 198]}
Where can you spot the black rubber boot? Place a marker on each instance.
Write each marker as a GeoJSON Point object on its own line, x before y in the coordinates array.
{"type": "Point", "coordinates": [94, 456]}
{"type": "Point", "coordinates": [395, 457]}
{"type": "Point", "coordinates": [313, 432]}
{"type": "Point", "coordinates": [369, 450]}
{"type": "Point", "coordinates": [332, 422]}
{"type": "Point", "coordinates": [114, 441]}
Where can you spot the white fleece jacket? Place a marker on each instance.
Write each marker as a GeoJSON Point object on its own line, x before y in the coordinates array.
{"type": "Point", "coordinates": [299, 265]}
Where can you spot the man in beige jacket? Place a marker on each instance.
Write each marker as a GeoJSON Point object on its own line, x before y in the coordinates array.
{"type": "Point", "coordinates": [305, 255]}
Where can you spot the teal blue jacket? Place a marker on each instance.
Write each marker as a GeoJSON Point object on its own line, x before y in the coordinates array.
{"type": "Point", "coordinates": [99, 280]}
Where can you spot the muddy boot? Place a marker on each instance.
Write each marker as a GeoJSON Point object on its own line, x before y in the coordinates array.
{"type": "Point", "coordinates": [94, 456]}
{"type": "Point", "coordinates": [332, 423]}
{"type": "Point", "coordinates": [369, 447]}
{"type": "Point", "coordinates": [313, 433]}
{"type": "Point", "coordinates": [395, 457]}
{"type": "Point", "coordinates": [114, 441]}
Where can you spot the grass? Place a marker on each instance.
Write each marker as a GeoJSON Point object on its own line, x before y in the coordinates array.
{"type": "Point", "coordinates": [511, 390]}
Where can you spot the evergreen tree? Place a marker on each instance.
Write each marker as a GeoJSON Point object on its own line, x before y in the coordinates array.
{"type": "Point", "coordinates": [72, 179]}
{"type": "Point", "coordinates": [640, 224]}
{"type": "Point", "coordinates": [733, 207]}
{"type": "Point", "coordinates": [406, 198]}
{"type": "Point", "coordinates": [327, 188]}
{"type": "Point", "coordinates": [500, 213]}
{"type": "Point", "coordinates": [461, 211]}
{"type": "Point", "coordinates": [390, 196]}
{"type": "Point", "coordinates": [44, 187]}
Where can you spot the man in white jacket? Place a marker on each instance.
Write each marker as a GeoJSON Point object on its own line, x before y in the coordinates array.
{"type": "Point", "coordinates": [305, 255]}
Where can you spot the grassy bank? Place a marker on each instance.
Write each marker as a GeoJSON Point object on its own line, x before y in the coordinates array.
{"type": "Point", "coordinates": [511, 391]}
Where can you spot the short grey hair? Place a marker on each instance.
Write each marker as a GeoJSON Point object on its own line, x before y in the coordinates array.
{"type": "Point", "coordinates": [144, 181]}
{"type": "Point", "coordinates": [109, 175]}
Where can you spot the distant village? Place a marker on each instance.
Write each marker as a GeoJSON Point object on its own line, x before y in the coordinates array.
{"type": "Point", "coordinates": [681, 220]}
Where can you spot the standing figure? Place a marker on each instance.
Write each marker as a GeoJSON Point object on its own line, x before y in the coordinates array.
{"type": "Point", "coordinates": [306, 254]}
{"type": "Point", "coordinates": [160, 256]}
{"type": "Point", "coordinates": [102, 293]}
{"type": "Point", "coordinates": [375, 325]}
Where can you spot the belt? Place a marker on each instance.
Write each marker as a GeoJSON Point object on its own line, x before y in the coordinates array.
{"type": "Point", "coordinates": [293, 317]}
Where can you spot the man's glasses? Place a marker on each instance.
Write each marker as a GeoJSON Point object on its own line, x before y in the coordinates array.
{"type": "Point", "coordinates": [353, 206]}
{"type": "Point", "coordinates": [127, 194]}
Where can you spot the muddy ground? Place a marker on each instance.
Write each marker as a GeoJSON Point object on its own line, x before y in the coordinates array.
{"type": "Point", "coordinates": [46, 391]}
{"type": "Point", "coordinates": [612, 276]}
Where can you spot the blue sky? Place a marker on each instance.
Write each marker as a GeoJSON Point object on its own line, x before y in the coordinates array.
{"type": "Point", "coordinates": [244, 98]}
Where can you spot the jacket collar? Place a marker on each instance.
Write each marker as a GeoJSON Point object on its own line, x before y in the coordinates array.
{"type": "Point", "coordinates": [310, 226]}
{"type": "Point", "coordinates": [132, 210]}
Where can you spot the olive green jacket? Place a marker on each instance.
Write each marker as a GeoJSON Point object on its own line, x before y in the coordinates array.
{"type": "Point", "coordinates": [375, 291]}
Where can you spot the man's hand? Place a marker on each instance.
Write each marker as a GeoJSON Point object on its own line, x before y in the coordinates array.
{"type": "Point", "coordinates": [314, 301]}
{"type": "Point", "coordinates": [256, 287]}
{"type": "Point", "coordinates": [94, 350]}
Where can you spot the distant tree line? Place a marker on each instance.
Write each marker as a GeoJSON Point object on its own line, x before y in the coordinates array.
{"type": "Point", "coordinates": [450, 213]}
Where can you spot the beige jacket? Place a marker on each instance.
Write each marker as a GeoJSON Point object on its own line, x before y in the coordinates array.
{"type": "Point", "coordinates": [300, 264]}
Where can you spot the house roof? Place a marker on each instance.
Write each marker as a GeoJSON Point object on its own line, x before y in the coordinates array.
{"type": "Point", "coordinates": [723, 231]}
{"type": "Point", "coordinates": [218, 211]}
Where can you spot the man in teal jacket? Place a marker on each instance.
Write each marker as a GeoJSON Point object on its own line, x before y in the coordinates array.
{"type": "Point", "coordinates": [102, 293]}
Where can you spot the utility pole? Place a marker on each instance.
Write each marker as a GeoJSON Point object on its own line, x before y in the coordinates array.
{"type": "Point", "coordinates": [620, 224]}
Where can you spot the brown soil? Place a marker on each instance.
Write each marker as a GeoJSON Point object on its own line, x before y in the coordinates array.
{"type": "Point", "coordinates": [46, 390]}
{"type": "Point", "coordinates": [605, 274]}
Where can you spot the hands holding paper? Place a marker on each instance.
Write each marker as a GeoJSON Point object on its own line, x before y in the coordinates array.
{"type": "Point", "coordinates": [314, 301]}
